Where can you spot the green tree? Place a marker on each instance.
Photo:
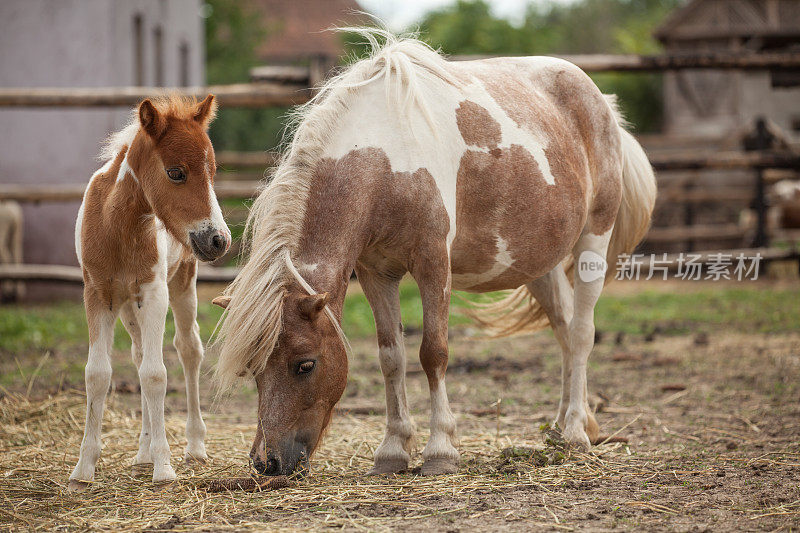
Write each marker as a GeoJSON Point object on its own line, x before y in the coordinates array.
{"type": "Point", "coordinates": [587, 26]}
{"type": "Point", "coordinates": [233, 32]}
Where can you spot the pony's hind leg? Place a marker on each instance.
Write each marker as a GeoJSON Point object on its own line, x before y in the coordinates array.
{"type": "Point", "coordinates": [151, 313]}
{"type": "Point", "coordinates": [554, 293]}
{"type": "Point", "coordinates": [98, 378]}
{"type": "Point", "coordinates": [432, 272]}
{"type": "Point", "coordinates": [183, 300]}
{"type": "Point", "coordinates": [134, 330]}
{"type": "Point", "coordinates": [580, 428]}
{"type": "Point", "coordinates": [394, 453]}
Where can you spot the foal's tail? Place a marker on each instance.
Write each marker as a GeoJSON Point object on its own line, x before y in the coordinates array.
{"type": "Point", "coordinates": [518, 311]}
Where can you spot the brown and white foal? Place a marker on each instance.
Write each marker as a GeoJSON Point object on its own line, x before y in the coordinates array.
{"type": "Point", "coordinates": [147, 215]}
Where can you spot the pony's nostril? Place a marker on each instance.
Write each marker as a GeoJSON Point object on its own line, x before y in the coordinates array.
{"type": "Point", "coordinates": [218, 242]}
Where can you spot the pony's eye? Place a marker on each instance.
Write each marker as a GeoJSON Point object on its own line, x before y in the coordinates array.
{"type": "Point", "coordinates": [176, 175]}
{"type": "Point", "coordinates": [305, 367]}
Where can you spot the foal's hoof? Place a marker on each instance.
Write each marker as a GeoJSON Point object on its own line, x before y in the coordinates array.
{"type": "Point", "coordinates": [577, 439]}
{"type": "Point", "coordinates": [165, 474]}
{"type": "Point", "coordinates": [141, 468]}
{"type": "Point", "coordinates": [76, 485]}
{"type": "Point", "coordinates": [439, 465]}
{"type": "Point", "coordinates": [388, 466]}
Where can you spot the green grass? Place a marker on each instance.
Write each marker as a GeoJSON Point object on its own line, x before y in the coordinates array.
{"type": "Point", "coordinates": [757, 309]}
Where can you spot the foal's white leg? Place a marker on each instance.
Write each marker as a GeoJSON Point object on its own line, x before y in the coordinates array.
{"type": "Point", "coordinates": [554, 293]}
{"type": "Point", "coordinates": [131, 324]}
{"type": "Point", "coordinates": [183, 300]}
{"type": "Point", "coordinates": [98, 379]}
{"type": "Point", "coordinates": [394, 453]}
{"type": "Point", "coordinates": [581, 335]}
{"type": "Point", "coordinates": [153, 374]}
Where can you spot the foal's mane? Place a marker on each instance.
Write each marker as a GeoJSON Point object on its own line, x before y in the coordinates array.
{"type": "Point", "coordinates": [250, 327]}
{"type": "Point", "coordinates": [169, 105]}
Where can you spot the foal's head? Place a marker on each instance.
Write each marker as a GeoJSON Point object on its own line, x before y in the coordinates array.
{"type": "Point", "coordinates": [301, 381]}
{"type": "Point", "coordinates": [174, 164]}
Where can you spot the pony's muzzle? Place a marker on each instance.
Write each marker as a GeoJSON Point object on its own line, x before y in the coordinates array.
{"type": "Point", "coordinates": [270, 463]}
{"type": "Point", "coordinates": [209, 244]}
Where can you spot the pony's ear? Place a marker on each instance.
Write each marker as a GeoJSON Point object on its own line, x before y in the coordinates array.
{"type": "Point", "coordinates": [206, 111]}
{"type": "Point", "coordinates": [151, 120]}
{"type": "Point", "coordinates": [223, 301]}
{"type": "Point", "coordinates": [310, 306]}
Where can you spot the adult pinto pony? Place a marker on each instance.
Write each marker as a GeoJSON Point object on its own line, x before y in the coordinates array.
{"type": "Point", "coordinates": [477, 175]}
{"type": "Point", "coordinates": [143, 214]}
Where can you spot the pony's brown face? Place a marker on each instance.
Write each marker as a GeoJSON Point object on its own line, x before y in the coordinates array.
{"type": "Point", "coordinates": [304, 378]}
{"type": "Point", "coordinates": [176, 172]}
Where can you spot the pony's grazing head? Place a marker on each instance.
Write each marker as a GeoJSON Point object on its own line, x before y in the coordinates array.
{"type": "Point", "coordinates": [298, 384]}
{"type": "Point", "coordinates": [173, 161]}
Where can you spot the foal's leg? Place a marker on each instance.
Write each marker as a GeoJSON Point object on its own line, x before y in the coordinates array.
{"type": "Point", "coordinates": [394, 453]}
{"type": "Point", "coordinates": [98, 379]}
{"type": "Point", "coordinates": [131, 324]}
{"type": "Point", "coordinates": [183, 300]}
{"type": "Point", "coordinates": [150, 315]}
{"type": "Point", "coordinates": [432, 273]}
{"type": "Point", "coordinates": [554, 293]}
{"type": "Point", "coordinates": [578, 418]}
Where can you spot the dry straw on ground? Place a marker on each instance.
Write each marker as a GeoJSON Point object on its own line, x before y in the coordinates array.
{"type": "Point", "coordinates": [39, 442]}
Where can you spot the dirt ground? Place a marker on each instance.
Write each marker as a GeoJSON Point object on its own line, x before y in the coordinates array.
{"type": "Point", "coordinates": [712, 421]}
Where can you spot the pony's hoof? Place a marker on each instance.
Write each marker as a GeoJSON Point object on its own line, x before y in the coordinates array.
{"type": "Point", "coordinates": [76, 485]}
{"type": "Point", "coordinates": [388, 466]}
{"type": "Point", "coordinates": [577, 440]}
{"type": "Point", "coordinates": [439, 465]}
{"type": "Point", "coordinates": [195, 460]}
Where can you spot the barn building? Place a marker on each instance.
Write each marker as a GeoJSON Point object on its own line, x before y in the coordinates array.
{"type": "Point", "coordinates": [82, 43]}
{"type": "Point", "coordinates": [296, 28]}
{"type": "Point", "coordinates": [715, 103]}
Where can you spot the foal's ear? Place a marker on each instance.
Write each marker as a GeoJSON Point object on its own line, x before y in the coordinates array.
{"type": "Point", "coordinates": [222, 301]}
{"type": "Point", "coordinates": [310, 306]}
{"type": "Point", "coordinates": [151, 120]}
{"type": "Point", "coordinates": [206, 111]}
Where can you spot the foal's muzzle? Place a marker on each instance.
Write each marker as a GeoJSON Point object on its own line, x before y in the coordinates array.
{"type": "Point", "coordinates": [209, 244]}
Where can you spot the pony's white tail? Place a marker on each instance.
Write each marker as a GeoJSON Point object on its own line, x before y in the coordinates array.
{"type": "Point", "coordinates": [518, 311]}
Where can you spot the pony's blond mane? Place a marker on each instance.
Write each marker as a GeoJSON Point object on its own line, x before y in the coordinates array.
{"type": "Point", "coordinates": [250, 327]}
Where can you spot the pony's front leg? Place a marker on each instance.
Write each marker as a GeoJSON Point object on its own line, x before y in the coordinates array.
{"type": "Point", "coordinates": [433, 278]}
{"type": "Point", "coordinates": [394, 453]}
{"type": "Point", "coordinates": [150, 315]}
{"type": "Point", "coordinates": [183, 300]}
{"type": "Point", "coordinates": [579, 420]}
{"type": "Point", "coordinates": [98, 378]}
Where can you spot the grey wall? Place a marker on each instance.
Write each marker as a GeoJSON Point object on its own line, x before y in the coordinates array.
{"type": "Point", "coordinates": [79, 43]}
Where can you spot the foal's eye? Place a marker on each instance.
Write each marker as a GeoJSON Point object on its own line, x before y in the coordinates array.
{"type": "Point", "coordinates": [176, 175]}
{"type": "Point", "coordinates": [305, 367]}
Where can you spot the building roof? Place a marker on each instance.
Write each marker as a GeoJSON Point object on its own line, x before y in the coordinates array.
{"type": "Point", "coordinates": [295, 27]}
{"type": "Point", "coordinates": [717, 19]}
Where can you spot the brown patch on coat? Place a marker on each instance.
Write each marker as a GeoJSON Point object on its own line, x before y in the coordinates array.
{"type": "Point", "coordinates": [477, 126]}
{"type": "Point", "coordinates": [584, 142]}
{"type": "Point", "coordinates": [538, 221]}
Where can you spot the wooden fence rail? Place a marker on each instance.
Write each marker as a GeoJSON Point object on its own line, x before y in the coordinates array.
{"type": "Point", "coordinates": [74, 192]}
{"type": "Point", "coordinates": [236, 95]}
{"type": "Point", "coordinates": [595, 63]}
{"type": "Point", "coordinates": [72, 274]}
